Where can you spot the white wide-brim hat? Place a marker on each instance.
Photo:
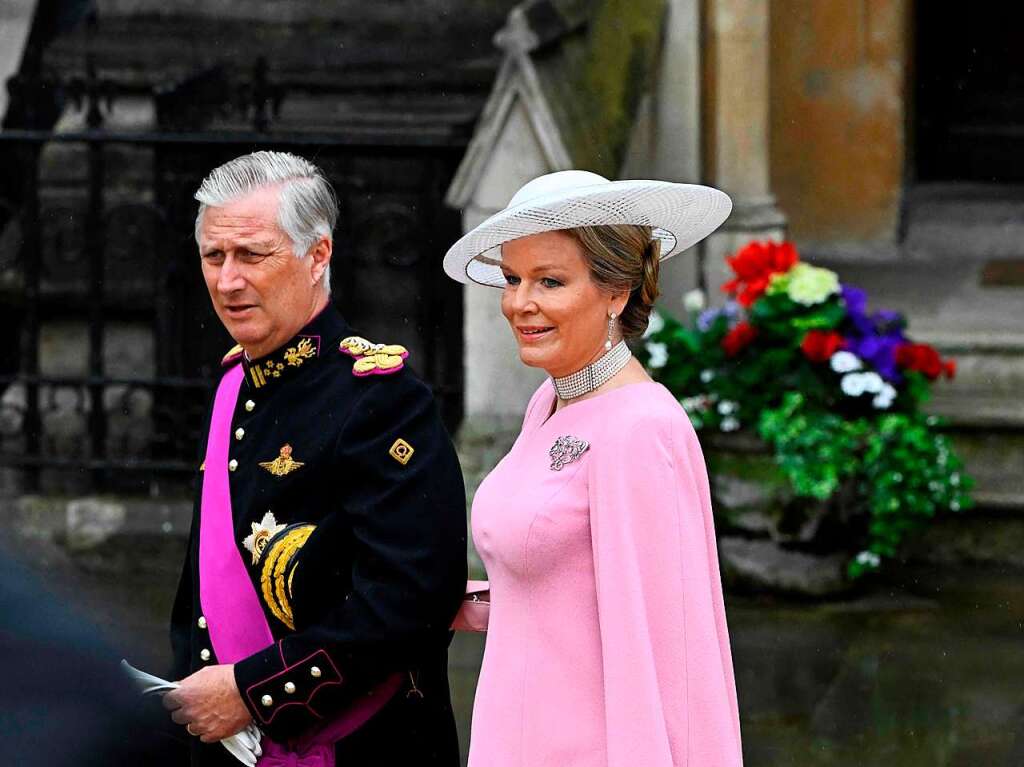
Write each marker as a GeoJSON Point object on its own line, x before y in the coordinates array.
{"type": "Point", "coordinates": [680, 215]}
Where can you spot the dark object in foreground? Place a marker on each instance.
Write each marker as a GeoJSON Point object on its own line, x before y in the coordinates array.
{"type": "Point", "coordinates": [64, 701]}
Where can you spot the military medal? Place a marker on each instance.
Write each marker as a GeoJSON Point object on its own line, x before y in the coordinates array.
{"type": "Point", "coordinates": [283, 464]}
{"type": "Point", "coordinates": [566, 450]}
{"type": "Point", "coordinates": [262, 532]}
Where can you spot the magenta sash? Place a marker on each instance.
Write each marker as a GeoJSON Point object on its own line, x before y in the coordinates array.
{"type": "Point", "coordinates": [234, 617]}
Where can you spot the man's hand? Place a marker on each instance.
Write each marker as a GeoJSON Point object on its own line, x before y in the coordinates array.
{"type": "Point", "coordinates": [208, 703]}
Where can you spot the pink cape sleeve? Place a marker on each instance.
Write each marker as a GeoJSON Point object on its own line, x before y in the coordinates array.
{"type": "Point", "coordinates": [669, 692]}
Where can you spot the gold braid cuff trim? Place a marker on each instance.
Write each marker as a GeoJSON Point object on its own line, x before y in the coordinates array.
{"type": "Point", "coordinates": [273, 584]}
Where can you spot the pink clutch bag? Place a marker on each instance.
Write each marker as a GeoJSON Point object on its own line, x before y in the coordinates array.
{"type": "Point", "coordinates": [475, 608]}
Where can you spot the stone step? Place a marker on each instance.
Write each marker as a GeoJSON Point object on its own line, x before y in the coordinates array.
{"type": "Point", "coordinates": [988, 363]}
{"type": "Point", "coordinates": [964, 221]}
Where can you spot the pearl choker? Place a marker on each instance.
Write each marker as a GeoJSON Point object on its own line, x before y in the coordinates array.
{"type": "Point", "coordinates": [593, 375]}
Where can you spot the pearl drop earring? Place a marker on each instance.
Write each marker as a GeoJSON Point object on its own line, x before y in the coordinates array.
{"type": "Point", "coordinates": [611, 327]}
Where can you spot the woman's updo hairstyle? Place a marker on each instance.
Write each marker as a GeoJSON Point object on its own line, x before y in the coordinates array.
{"type": "Point", "coordinates": [623, 257]}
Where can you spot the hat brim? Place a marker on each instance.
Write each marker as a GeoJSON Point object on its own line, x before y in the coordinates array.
{"type": "Point", "coordinates": [680, 215]}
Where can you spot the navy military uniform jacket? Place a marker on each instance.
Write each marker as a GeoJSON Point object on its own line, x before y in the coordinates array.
{"type": "Point", "coordinates": [349, 511]}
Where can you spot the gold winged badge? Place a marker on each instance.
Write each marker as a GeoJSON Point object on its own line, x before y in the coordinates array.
{"type": "Point", "coordinates": [283, 464]}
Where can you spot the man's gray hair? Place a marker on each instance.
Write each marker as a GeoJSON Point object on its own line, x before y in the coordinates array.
{"type": "Point", "coordinates": [307, 209]}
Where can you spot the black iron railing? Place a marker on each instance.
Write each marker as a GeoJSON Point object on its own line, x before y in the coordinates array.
{"type": "Point", "coordinates": [83, 261]}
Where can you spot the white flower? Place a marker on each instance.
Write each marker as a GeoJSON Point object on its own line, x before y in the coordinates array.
{"type": "Point", "coordinates": [655, 324]}
{"type": "Point", "coordinates": [853, 384]}
{"type": "Point", "coordinates": [884, 399]}
{"type": "Point", "coordinates": [869, 558]}
{"type": "Point", "coordinates": [659, 354]}
{"type": "Point", "coordinates": [729, 424]}
{"type": "Point", "coordinates": [706, 376]}
{"type": "Point", "coordinates": [694, 301]}
{"type": "Point", "coordinates": [845, 362]}
{"type": "Point", "coordinates": [695, 404]}
{"type": "Point", "coordinates": [873, 382]}
{"type": "Point", "coordinates": [725, 407]}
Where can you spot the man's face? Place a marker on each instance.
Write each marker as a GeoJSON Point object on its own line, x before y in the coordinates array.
{"type": "Point", "coordinates": [262, 293]}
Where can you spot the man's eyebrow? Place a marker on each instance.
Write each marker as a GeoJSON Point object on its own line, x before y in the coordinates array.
{"type": "Point", "coordinates": [261, 244]}
{"type": "Point", "coordinates": [215, 247]}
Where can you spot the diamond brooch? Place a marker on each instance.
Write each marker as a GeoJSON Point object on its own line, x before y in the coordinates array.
{"type": "Point", "coordinates": [566, 450]}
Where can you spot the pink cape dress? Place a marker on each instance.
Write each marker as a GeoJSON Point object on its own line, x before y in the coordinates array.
{"type": "Point", "coordinates": [607, 643]}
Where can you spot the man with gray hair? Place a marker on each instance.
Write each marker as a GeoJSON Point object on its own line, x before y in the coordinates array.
{"type": "Point", "coordinates": [327, 555]}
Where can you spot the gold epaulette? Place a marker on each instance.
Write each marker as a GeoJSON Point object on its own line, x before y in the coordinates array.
{"type": "Point", "coordinates": [374, 359]}
{"type": "Point", "coordinates": [234, 354]}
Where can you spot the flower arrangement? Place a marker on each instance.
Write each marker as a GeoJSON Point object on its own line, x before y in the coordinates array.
{"type": "Point", "coordinates": [834, 390]}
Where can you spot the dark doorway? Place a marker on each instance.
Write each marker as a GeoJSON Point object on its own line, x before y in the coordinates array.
{"type": "Point", "coordinates": [969, 92]}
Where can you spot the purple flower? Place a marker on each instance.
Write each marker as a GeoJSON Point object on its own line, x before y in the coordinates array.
{"type": "Point", "coordinates": [874, 337]}
{"type": "Point", "coordinates": [879, 352]}
{"type": "Point", "coordinates": [731, 311]}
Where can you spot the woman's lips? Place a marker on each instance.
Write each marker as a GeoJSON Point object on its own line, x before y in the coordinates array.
{"type": "Point", "coordinates": [533, 333]}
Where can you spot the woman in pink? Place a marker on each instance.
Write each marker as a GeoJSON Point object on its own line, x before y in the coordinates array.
{"type": "Point", "coordinates": [607, 643]}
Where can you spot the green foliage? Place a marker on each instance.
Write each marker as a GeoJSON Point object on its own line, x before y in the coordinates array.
{"type": "Point", "coordinates": [909, 474]}
{"type": "Point", "coordinates": [815, 450]}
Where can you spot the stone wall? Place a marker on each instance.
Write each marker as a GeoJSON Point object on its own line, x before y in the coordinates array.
{"type": "Point", "coordinates": [838, 114]}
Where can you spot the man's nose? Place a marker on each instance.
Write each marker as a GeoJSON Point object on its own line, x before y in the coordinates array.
{"type": "Point", "coordinates": [230, 279]}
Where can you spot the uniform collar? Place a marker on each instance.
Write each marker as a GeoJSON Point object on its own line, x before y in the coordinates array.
{"type": "Point", "coordinates": [317, 338]}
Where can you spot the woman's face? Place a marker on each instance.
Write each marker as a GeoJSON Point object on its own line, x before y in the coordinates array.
{"type": "Point", "coordinates": [558, 314]}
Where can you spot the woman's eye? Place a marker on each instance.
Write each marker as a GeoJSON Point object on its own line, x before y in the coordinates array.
{"type": "Point", "coordinates": [511, 279]}
{"type": "Point", "coordinates": [550, 282]}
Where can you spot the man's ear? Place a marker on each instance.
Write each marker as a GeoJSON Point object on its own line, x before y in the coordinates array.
{"type": "Point", "coordinates": [321, 254]}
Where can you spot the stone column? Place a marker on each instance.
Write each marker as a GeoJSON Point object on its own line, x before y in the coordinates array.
{"type": "Point", "coordinates": [736, 129]}
{"type": "Point", "coordinates": [675, 115]}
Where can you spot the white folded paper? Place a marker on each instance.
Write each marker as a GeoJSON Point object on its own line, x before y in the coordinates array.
{"type": "Point", "coordinates": [244, 745]}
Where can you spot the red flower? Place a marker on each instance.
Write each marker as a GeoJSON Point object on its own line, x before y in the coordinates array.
{"type": "Point", "coordinates": [819, 345]}
{"type": "Point", "coordinates": [754, 266]}
{"type": "Point", "coordinates": [739, 338]}
{"type": "Point", "coordinates": [925, 360]}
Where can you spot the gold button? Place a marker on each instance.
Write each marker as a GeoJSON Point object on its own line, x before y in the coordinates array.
{"type": "Point", "coordinates": [266, 700]}
{"type": "Point", "coordinates": [204, 654]}
{"type": "Point", "coordinates": [201, 622]}
{"type": "Point", "coordinates": [249, 405]}
{"type": "Point", "coordinates": [239, 432]}
{"type": "Point", "coordinates": [289, 687]}
{"type": "Point", "coordinates": [315, 672]}
{"type": "Point", "coordinates": [232, 464]}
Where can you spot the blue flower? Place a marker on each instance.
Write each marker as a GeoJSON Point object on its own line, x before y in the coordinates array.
{"type": "Point", "coordinates": [707, 318]}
